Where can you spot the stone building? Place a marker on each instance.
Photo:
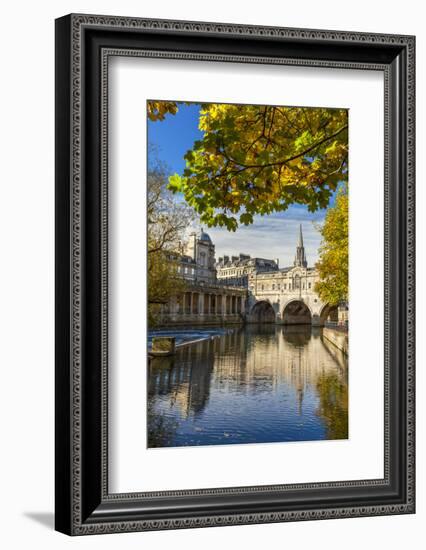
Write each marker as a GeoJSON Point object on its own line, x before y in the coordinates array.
{"type": "Point", "coordinates": [207, 304]}
{"type": "Point", "coordinates": [206, 300]}
{"type": "Point", "coordinates": [288, 295]}
{"type": "Point", "coordinates": [187, 267]}
{"type": "Point", "coordinates": [236, 270]}
{"type": "Point", "coordinates": [201, 251]}
{"type": "Point", "coordinates": [197, 263]}
{"type": "Point", "coordinates": [245, 289]}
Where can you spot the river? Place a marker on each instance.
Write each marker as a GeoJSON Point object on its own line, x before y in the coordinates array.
{"type": "Point", "coordinates": [258, 384]}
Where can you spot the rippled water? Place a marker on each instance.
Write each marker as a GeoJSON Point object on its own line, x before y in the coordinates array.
{"type": "Point", "coordinates": [259, 384]}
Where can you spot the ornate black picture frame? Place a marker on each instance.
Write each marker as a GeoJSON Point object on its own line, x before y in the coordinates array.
{"type": "Point", "coordinates": [83, 45]}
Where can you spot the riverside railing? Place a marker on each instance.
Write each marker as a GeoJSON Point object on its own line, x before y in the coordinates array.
{"type": "Point", "coordinates": [336, 325]}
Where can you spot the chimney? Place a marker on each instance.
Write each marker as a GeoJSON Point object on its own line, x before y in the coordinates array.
{"type": "Point", "coordinates": [225, 259]}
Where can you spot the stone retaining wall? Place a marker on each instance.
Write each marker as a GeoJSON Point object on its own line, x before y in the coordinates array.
{"type": "Point", "coordinates": [339, 339]}
{"type": "Point", "coordinates": [199, 320]}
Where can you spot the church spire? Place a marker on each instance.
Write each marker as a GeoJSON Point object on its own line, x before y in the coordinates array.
{"type": "Point", "coordinates": [300, 243]}
{"type": "Point", "coordinates": [300, 258]}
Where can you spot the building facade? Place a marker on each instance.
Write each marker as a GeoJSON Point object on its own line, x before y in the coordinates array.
{"type": "Point", "coordinates": [201, 251]}
{"type": "Point", "coordinates": [235, 270]}
{"type": "Point", "coordinates": [245, 289]}
{"type": "Point", "coordinates": [207, 300]}
{"type": "Point", "coordinates": [288, 295]}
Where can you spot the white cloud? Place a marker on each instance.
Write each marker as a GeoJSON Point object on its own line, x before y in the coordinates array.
{"type": "Point", "coordinates": [272, 237]}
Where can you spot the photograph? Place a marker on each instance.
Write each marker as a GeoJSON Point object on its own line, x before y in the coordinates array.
{"type": "Point", "coordinates": [234, 273]}
{"type": "Point", "coordinates": [248, 273]}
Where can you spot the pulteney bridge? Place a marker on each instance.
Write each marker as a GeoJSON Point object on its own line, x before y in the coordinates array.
{"type": "Point", "coordinates": [290, 310]}
{"type": "Point", "coordinates": [287, 296]}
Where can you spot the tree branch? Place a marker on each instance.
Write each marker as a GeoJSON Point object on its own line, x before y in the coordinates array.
{"type": "Point", "coordinates": [289, 159]}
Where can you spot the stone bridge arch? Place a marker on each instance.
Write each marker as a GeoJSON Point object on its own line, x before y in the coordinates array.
{"type": "Point", "coordinates": [296, 312]}
{"type": "Point", "coordinates": [262, 312]}
{"type": "Point", "coordinates": [329, 313]}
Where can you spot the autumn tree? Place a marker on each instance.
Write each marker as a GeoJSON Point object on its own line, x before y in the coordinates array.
{"type": "Point", "coordinates": [168, 220]}
{"type": "Point", "coordinates": [333, 404]}
{"type": "Point", "coordinates": [333, 264]}
{"type": "Point", "coordinates": [256, 159]}
{"type": "Point", "coordinates": [157, 110]}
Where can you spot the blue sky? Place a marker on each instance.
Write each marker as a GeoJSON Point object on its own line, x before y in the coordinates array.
{"type": "Point", "coordinates": [273, 236]}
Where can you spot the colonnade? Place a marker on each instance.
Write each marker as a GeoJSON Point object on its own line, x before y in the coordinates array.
{"type": "Point", "coordinates": [208, 303]}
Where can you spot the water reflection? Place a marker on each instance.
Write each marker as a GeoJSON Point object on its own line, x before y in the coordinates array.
{"type": "Point", "coordinates": [258, 384]}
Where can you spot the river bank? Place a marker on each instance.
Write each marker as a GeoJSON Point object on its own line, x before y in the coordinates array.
{"type": "Point", "coordinates": [338, 338]}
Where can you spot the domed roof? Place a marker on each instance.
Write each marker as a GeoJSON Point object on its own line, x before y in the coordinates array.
{"type": "Point", "coordinates": [204, 237]}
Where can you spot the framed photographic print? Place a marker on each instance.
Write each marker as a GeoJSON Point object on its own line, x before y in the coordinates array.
{"type": "Point", "coordinates": [234, 274]}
